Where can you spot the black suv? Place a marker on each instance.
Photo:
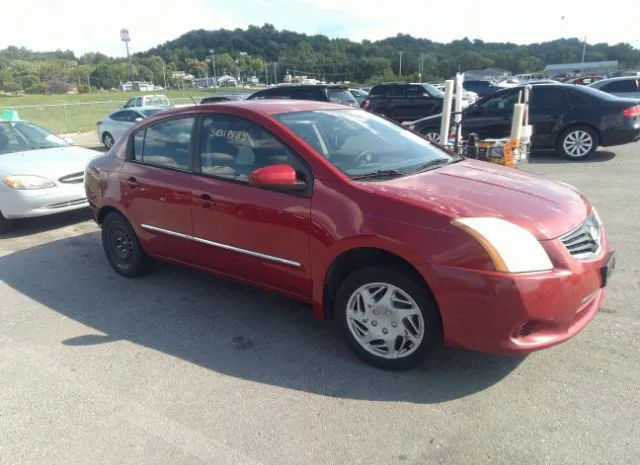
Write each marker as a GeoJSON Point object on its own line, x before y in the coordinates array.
{"type": "Point", "coordinates": [318, 92]}
{"type": "Point", "coordinates": [404, 101]}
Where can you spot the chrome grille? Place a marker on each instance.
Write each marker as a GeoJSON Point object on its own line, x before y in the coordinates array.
{"type": "Point", "coordinates": [75, 178]}
{"type": "Point", "coordinates": [585, 241]}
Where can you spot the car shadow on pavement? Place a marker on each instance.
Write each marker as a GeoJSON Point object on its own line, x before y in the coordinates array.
{"type": "Point", "coordinates": [27, 226]}
{"type": "Point", "coordinates": [549, 156]}
{"type": "Point", "coordinates": [228, 327]}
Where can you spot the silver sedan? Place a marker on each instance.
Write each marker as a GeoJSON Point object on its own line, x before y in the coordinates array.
{"type": "Point", "coordinates": [40, 173]}
{"type": "Point", "coordinates": [112, 127]}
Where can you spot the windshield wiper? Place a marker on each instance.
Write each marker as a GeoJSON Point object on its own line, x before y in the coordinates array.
{"type": "Point", "coordinates": [432, 164]}
{"type": "Point", "coordinates": [379, 174]}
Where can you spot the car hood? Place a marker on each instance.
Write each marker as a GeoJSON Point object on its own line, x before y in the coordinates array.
{"type": "Point", "coordinates": [472, 188]}
{"type": "Point", "coordinates": [47, 163]}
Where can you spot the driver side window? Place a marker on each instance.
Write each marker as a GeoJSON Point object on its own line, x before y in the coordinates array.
{"type": "Point", "coordinates": [233, 147]}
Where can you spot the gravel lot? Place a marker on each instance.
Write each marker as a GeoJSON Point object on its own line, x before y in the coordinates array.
{"type": "Point", "coordinates": [184, 368]}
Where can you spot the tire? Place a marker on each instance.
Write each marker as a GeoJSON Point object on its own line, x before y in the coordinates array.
{"type": "Point", "coordinates": [108, 140]}
{"type": "Point", "coordinates": [432, 135]}
{"type": "Point", "coordinates": [578, 142]}
{"type": "Point", "coordinates": [358, 320]}
{"type": "Point", "coordinates": [122, 248]}
{"type": "Point", "coordinates": [5, 224]}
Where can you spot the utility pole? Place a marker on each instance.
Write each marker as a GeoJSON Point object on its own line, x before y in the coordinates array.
{"type": "Point", "coordinates": [89, 82]}
{"type": "Point", "coordinates": [400, 72]}
{"type": "Point", "coordinates": [165, 78]}
{"type": "Point", "coordinates": [213, 66]}
{"type": "Point", "coordinates": [584, 52]}
{"type": "Point", "coordinates": [275, 73]}
{"type": "Point", "coordinates": [124, 36]}
{"type": "Point", "coordinates": [421, 69]}
{"type": "Point", "coordinates": [561, 25]}
{"type": "Point", "coordinates": [266, 74]}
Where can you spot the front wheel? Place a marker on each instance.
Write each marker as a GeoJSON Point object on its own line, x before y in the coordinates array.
{"type": "Point", "coordinates": [121, 246]}
{"type": "Point", "coordinates": [5, 224]}
{"type": "Point", "coordinates": [578, 142]}
{"type": "Point", "coordinates": [387, 318]}
{"type": "Point", "coordinates": [432, 136]}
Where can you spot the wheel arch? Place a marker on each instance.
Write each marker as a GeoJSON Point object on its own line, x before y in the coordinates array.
{"type": "Point", "coordinates": [354, 258]}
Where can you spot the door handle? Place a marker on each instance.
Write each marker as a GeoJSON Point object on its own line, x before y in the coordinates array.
{"type": "Point", "coordinates": [131, 182]}
{"type": "Point", "coordinates": [204, 200]}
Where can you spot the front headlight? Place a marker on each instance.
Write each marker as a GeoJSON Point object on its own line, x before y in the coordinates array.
{"type": "Point", "coordinates": [27, 182]}
{"type": "Point", "coordinates": [513, 249]}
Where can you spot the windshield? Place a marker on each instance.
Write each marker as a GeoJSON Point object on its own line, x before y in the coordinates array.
{"type": "Point", "coordinates": [157, 101]}
{"type": "Point", "coordinates": [150, 111]}
{"type": "Point", "coordinates": [357, 142]}
{"type": "Point", "coordinates": [433, 90]}
{"type": "Point", "coordinates": [342, 96]}
{"type": "Point", "coordinates": [21, 136]}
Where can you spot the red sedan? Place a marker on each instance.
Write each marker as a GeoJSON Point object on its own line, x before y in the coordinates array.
{"type": "Point", "coordinates": [404, 243]}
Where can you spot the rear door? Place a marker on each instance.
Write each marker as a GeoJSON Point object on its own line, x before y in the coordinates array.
{"type": "Point", "coordinates": [121, 121]}
{"type": "Point", "coordinates": [548, 114]}
{"type": "Point", "coordinates": [399, 106]}
{"type": "Point", "coordinates": [155, 184]}
{"type": "Point", "coordinates": [491, 117]}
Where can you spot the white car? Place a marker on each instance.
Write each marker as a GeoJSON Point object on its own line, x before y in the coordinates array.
{"type": "Point", "coordinates": [40, 173]}
{"type": "Point", "coordinates": [625, 87]}
{"type": "Point", "coordinates": [148, 101]}
{"type": "Point", "coordinates": [112, 127]}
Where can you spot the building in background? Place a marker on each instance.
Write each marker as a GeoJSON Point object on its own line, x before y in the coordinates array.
{"type": "Point", "coordinates": [604, 68]}
{"type": "Point", "coordinates": [488, 74]}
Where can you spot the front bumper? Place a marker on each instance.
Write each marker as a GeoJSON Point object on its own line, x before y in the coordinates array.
{"type": "Point", "coordinates": [41, 202]}
{"type": "Point", "coordinates": [520, 313]}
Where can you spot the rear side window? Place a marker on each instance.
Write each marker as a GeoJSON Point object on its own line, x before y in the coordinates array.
{"type": "Point", "coordinates": [276, 93]}
{"type": "Point", "coordinates": [548, 97]}
{"type": "Point", "coordinates": [165, 143]}
{"type": "Point", "coordinates": [396, 92]}
{"type": "Point", "coordinates": [120, 116]}
{"type": "Point", "coordinates": [578, 100]}
{"type": "Point", "coordinates": [305, 94]}
{"type": "Point", "coordinates": [626, 85]}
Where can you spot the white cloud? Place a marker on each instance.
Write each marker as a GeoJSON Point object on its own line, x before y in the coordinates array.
{"type": "Point", "coordinates": [83, 27]}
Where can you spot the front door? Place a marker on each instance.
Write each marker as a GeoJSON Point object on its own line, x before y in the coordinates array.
{"type": "Point", "coordinates": [155, 186]}
{"type": "Point", "coordinates": [548, 109]}
{"type": "Point", "coordinates": [254, 234]}
{"type": "Point", "coordinates": [491, 117]}
{"type": "Point", "coordinates": [421, 103]}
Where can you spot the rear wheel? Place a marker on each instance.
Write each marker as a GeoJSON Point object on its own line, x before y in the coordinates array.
{"type": "Point", "coordinates": [387, 318]}
{"type": "Point", "coordinates": [578, 142]}
{"type": "Point", "coordinates": [122, 247]}
{"type": "Point", "coordinates": [107, 140]}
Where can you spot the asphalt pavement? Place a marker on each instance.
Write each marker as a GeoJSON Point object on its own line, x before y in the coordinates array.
{"type": "Point", "coordinates": [180, 367]}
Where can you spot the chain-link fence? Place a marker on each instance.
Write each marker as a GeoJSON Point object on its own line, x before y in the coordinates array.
{"type": "Point", "coordinates": [67, 118]}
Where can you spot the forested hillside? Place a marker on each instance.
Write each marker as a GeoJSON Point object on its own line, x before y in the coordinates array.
{"type": "Point", "coordinates": [266, 50]}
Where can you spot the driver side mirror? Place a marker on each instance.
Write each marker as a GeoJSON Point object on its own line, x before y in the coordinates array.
{"type": "Point", "coordinates": [278, 177]}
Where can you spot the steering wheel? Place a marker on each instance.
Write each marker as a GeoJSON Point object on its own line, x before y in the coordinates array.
{"type": "Point", "coordinates": [365, 158]}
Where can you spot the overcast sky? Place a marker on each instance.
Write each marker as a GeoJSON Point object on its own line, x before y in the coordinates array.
{"type": "Point", "coordinates": [83, 26]}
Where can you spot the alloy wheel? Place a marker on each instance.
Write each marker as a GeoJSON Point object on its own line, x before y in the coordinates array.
{"type": "Point", "coordinates": [577, 143]}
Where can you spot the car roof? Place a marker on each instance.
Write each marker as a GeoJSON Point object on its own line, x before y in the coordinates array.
{"type": "Point", "coordinates": [619, 78]}
{"type": "Point", "coordinates": [268, 107]}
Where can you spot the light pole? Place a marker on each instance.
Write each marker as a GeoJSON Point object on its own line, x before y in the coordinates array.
{"type": "Point", "coordinates": [213, 63]}
{"type": "Point", "coordinates": [584, 51]}
{"type": "Point", "coordinates": [421, 68]}
{"type": "Point", "coordinates": [400, 71]}
{"type": "Point", "coordinates": [561, 24]}
{"type": "Point", "coordinates": [124, 36]}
